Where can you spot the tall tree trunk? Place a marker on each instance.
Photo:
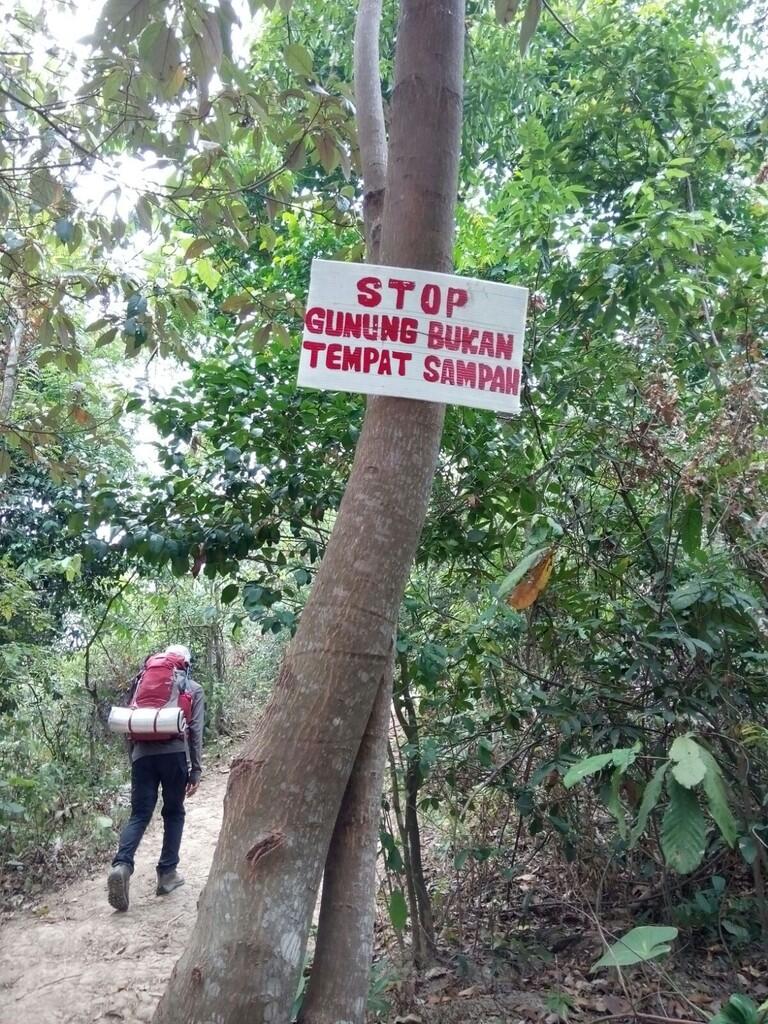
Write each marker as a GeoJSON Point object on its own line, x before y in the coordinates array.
{"type": "Point", "coordinates": [245, 953]}
{"type": "Point", "coordinates": [338, 984]}
{"type": "Point", "coordinates": [10, 370]}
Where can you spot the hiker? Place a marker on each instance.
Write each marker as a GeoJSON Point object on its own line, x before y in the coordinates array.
{"type": "Point", "coordinates": [171, 760]}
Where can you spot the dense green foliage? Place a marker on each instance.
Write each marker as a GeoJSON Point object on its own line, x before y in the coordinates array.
{"type": "Point", "coordinates": [619, 171]}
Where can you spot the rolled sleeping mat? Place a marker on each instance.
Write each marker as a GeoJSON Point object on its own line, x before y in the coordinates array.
{"type": "Point", "coordinates": [147, 721]}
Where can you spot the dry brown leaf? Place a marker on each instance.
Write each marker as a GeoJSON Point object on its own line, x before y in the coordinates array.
{"type": "Point", "coordinates": [533, 583]}
{"type": "Point", "coordinates": [616, 1005]}
{"type": "Point", "coordinates": [81, 415]}
{"type": "Point", "coordinates": [435, 972]}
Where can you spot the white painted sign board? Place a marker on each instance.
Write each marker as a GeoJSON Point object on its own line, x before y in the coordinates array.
{"type": "Point", "coordinates": [413, 334]}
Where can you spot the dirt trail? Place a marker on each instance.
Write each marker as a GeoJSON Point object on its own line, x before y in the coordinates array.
{"type": "Point", "coordinates": [81, 961]}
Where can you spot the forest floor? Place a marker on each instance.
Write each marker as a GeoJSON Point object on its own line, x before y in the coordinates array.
{"type": "Point", "coordinates": [71, 959]}
{"type": "Point", "coordinates": [74, 960]}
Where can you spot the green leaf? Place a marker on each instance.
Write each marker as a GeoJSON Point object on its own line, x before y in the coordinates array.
{"type": "Point", "coordinates": [717, 799]}
{"type": "Point", "coordinates": [97, 325]}
{"type": "Point", "coordinates": [121, 20]}
{"type": "Point", "coordinates": [588, 766]}
{"type": "Point", "coordinates": [11, 809]}
{"type": "Point", "coordinates": [44, 189]}
{"type": "Point", "coordinates": [136, 305]}
{"type": "Point", "coordinates": [622, 757]}
{"type": "Point", "coordinates": [64, 229]}
{"type": "Point", "coordinates": [683, 830]}
{"type": "Point", "coordinates": [529, 500]}
{"type": "Point", "coordinates": [107, 337]}
{"type": "Point", "coordinates": [229, 593]}
{"type": "Point", "coordinates": [71, 566]}
{"type": "Point", "coordinates": [164, 55]}
{"type": "Point", "coordinates": [76, 522]}
{"type": "Point", "coordinates": [144, 213]}
{"type": "Point", "coordinates": [734, 929]}
{"type": "Point", "coordinates": [327, 151]}
{"type": "Point", "coordinates": [102, 821]}
{"type": "Point", "coordinates": [739, 1010]}
{"type": "Point", "coordinates": [398, 911]}
{"type": "Point", "coordinates": [208, 49]}
{"type": "Point", "coordinates": [639, 945]}
{"type": "Point", "coordinates": [686, 595]}
{"type": "Point", "coordinates": [690, 528]}
{"type": "Point", "coordinates": [299, 59]}
{"type": "Point", "coordinates": [197, 248]}
{"type": "Point", "coordinates": [689, 768]}
{"type": "Point", "coordinates": [748, 848]}
{"type": "Point", "coordinates": [485, 752]}
{"type": "Point", "coordinates": [280, 335]}
{"type": "Point", "coordinates": [651, 796]}
{"type": "Point", "coordinates": [560, 1004]}
{"type": "Point", "coordinates": [461, 859]}
{"type": "Point", "coordinates": [207, 273]}
{"type": "Point", "coordinates": [148, 37]}
{"type": "Point", "coordinates": [296, 155]}
{"type": "Point", "coordinates": [614, 804]}
{"type": "Point", "coordinates": [156, 543]}
{"type": "Point", "coordinates": [530, 22]}
{"type": "Point", "coordinates": [234, 303]}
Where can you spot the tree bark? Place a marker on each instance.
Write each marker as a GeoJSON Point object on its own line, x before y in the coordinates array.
{"type": "Point", "coordinates": [245, 953]}
{"type": "Point", "coordinates": [418, 953]}
{"type": "Point", "coordinates": [369, 118]}
{"type": "Point", "coordinates": [338, 983]}
{"type": "Point", "coordinates": [10, 371]}
{"type": "Point", "coordinates": [406, 715]}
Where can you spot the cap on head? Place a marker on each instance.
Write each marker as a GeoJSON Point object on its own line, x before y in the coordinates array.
{"type": "Point", "coordinates": [181, 651]}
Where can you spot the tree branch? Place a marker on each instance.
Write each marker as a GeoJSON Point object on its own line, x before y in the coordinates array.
{"type": "Point", "coordinates": [371, 129]}
{"type": "Point", "coordinates": [39, 112]}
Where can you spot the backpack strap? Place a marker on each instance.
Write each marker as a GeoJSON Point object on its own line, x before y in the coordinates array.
{"type": "Point", "coordinates": [134, 687]}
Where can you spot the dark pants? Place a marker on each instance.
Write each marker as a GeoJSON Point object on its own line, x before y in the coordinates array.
{"type": "Point", "coordinates": [147, 775]}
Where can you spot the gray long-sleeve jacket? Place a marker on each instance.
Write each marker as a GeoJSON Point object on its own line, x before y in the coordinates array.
{"type": "Point", "coordinates": [192, 743]}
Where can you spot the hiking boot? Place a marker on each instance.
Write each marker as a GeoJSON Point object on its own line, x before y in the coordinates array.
{"type": "Point", "coordinates": [117, 886]}
{"type": "Point", "coordinates": [167, 881]}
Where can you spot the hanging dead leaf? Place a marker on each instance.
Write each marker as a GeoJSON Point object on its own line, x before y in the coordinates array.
{"type": "Point", "coordinates": [529, 23]}
{"type": "Point", "coordinates": [533, 583]}
{"type": "Point", "coordinates": [506, 10]}
{"type": "Point", "coordinates": [81, 415]}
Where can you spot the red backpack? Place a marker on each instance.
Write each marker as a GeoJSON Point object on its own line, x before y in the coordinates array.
{"type": "Point", "coordinates": [162, 683]}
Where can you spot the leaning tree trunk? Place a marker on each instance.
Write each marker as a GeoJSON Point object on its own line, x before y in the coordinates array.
{"type": "Point", "coordinates": [245, 953]}
{"type": "Point", "coordinates": [338, 983]}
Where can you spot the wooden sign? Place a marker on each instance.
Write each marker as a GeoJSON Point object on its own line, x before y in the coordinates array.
{"type": "Point", "coordinates": [413, 334]}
